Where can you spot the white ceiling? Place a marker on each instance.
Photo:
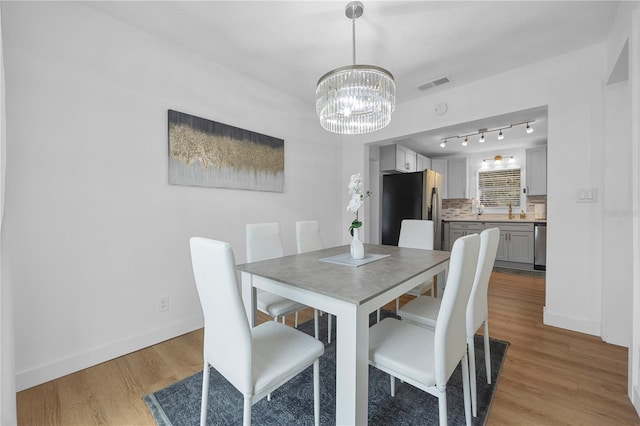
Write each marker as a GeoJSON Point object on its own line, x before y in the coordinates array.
{"type": "Point", "coordinates": [289, 44]}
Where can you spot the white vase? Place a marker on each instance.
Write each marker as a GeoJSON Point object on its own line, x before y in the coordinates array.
{"type": "Point", "coordinates": [357, 248]}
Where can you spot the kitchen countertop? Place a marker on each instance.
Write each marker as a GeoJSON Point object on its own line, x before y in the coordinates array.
{"type": "Point", "coordinates": [481, 219]}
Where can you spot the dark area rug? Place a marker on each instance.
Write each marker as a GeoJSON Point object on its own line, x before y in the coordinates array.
{"type": "Point", "coordinates": [292, 403]}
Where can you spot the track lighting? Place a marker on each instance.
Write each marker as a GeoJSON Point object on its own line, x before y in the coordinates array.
{"type": "Point", "coordinates": [481, 132]}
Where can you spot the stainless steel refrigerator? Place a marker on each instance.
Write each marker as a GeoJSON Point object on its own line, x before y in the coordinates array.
{"type": "Point", "coordinates": [415, 195]}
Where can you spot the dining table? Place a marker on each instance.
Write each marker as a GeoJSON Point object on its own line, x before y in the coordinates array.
{"type": "Point", "coordinates": [331, 281]}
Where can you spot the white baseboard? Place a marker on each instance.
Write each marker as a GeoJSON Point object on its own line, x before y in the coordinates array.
{"type": "Point", "coordinates": [571, 323]}
{"type": "Point", "coordinates": [76, 362]}
{"type": "Point", "coordinates": [635, 400]}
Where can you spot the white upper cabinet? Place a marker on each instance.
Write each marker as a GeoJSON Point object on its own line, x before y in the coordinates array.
{"type": "Point", "coordinates": [397, 158]}
{"type": "Point", "coordinates": [422, 163]}
{"type": "Point", "coordinates": [537, 171]}
{"type": "Point", "coordinates": [457, 178]}
{"type": "Point", "coordinates": [440, 166]}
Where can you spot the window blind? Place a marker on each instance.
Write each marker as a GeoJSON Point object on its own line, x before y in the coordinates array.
{"type": "Point", "coordinates": [500, 187]}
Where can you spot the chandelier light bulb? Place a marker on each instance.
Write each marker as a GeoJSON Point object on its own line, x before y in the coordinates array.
{"type": "Point", "coordinates": [500, 135]}
{"type": "Point", "coordinates": [529, 128]}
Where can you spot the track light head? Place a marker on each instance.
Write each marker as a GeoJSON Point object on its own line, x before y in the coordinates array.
{"type": "Point", "coordinates": [481, 140]}
{"type": "Point", "coordinates": [465, 141]}
{"type": "Point", "coordinates": [444, 143]}
{"type": "Point", "coordinates": [529, 128]}
{"type": "Point", "coordinates": [500, 135]}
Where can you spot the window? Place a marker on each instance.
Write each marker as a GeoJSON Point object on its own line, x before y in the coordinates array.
{"type": "Point", "coordinates": [499, 187]}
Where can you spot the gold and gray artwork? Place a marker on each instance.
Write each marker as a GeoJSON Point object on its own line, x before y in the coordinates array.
{"type": "Point", "coordinates": [207, 153]}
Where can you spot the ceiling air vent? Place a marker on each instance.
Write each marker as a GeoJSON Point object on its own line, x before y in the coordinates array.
{"type": "Point", "coordinates": [435, 83]}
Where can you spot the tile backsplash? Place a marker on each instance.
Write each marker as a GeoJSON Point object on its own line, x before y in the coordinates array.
{"type": "Point", "coordinates": [461, 209]}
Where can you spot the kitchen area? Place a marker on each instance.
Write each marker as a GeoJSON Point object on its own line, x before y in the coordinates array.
{"type": "Point", "coordinates": [492, 185]}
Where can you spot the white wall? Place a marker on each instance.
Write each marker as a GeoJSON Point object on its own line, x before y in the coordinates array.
{"type": "Point", "coordinates": [617, 210]}
{"type": "Point", "coordinates": [617, 198]}
{"type": "Point", "coordinates": [94, 234]}
{"type": "Point", "coordinates": [627, 28]}
{"type": "Point", "coordinates": [634, 73]}
{"type": "Point", "coordinates": [572, 87]}
{"type": "Point", "coordinates": [621, 237]}
{"type": "Point", "coordinates": [7, 354]}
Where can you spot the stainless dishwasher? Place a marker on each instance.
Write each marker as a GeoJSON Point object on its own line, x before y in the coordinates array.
{"type": "Point", "coordinates": [540, 246]}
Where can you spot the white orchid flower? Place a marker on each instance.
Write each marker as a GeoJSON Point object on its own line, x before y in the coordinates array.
{"type": "Point", "coordinates": [357, 199]}
{"type": "Point", "coordinates": [354, 204]}
{"type": "Point", "coordinates": [354, 184]}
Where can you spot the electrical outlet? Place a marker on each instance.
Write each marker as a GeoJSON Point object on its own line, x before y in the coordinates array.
{"type": "Point", "coordinates": [163, 303]}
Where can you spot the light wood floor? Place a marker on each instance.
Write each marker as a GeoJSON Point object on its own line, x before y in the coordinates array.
{"type": "Point", "coordinates": [550, 376]}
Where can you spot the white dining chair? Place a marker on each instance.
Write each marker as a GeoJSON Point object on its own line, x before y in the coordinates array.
{"type": "Point", "coordinates": [425, 312]}
{"type": "Point", "coordinates": [308, 239]}
{"type": "Point", "coordinates": [308, 236]}
{"type": "Point", "coordinates": [416, 234]}
{"type": "Point", "coordinates": [258, 360]}
{"type": "Point", "coordinates": [427, 358]}
{"type": "Point", "coordinates": [264, 242]}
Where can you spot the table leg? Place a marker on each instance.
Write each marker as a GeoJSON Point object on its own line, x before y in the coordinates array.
{"type": "Point", "coordinates": [442, 281]}
{"type": "Point", "coordinates": [352, 367]}
{"type": "Point", "coordinates": [249, 297]}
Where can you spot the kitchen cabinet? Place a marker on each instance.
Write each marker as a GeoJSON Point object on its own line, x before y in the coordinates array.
{"type": "Point", "coordinates": [460, 229]}
{"type": "Point", "coordinates": [422, 162]}
{"type": "Point", "coordinates": [440, 166]}
{"type": "Point", "coordinates": [537, 171]}
{"type": "Point", "coordinates": [516, 239]}
{"type": "Point", "coordinates": [397, 158]}
{"type": "Point", "coordinates": [516, 242]}
{"type": "Point", "coordinates": [457, 178]}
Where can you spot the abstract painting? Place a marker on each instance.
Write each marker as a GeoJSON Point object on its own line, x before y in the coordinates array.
{"type": "Point", "coordinates": [207, 153]}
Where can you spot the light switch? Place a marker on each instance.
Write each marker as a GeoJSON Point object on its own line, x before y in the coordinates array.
{"type": "Point", "coordinates": [587, 195]}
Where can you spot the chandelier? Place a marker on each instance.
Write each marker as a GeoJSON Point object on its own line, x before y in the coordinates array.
{"type": "Point", "coordinates": [355, 99]}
